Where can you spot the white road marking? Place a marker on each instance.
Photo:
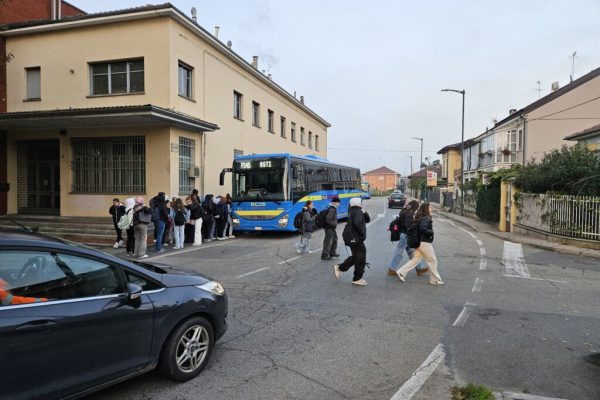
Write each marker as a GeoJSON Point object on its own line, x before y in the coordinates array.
{"type": "Point", "coordinates": [253, 272]}
{"type": "Point", "coordinates": [469, 233]}
{"type": "Point", "coordinates": [482, 264]}
{"type": "Point", "coordinates": [477, 285]}
{"type": "Point", "coordinates": [176, 252]}
{"type": "Point", "coordinates": [464, 315]}
{"type": "Point", "coordinates": [420, 376]}
{"type": "Point", "coordinates": [522, 396]}
{"type": "Point", "coordinates": [482, 251]}
{"type": "Point", "coordinates": [514, 260]}
{"type": "Point", "coordinates": [315, 250]}
{"type": "Point", "coordinates": [533, 279]}
{"type": "Point", "coordinates": [479, 242]}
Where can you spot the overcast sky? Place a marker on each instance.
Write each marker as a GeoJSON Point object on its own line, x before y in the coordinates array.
{"type": "Point", "coordinates": [374, 69]}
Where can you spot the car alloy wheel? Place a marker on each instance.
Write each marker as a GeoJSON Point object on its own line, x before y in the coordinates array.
{"type": "Point", "coordinates": [192, 348]}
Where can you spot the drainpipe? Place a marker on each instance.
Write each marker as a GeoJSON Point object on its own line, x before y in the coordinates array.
{"type": "Point", "coordinates": [524, 137]}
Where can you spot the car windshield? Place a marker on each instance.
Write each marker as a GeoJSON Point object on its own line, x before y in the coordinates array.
{"type": "Point", "coordinates": [260, 180]}
{"type": "Point", "coordinates": [397, 196]}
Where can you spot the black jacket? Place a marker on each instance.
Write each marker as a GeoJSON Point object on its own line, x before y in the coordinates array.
{"type": "Point", "coordinates": [116, 212]}
{"type": "Point", "coordinates": [331, 218]}
{"type": "Point", "coordinates": [405, 220]}
{"type": "Point", "coordinates": [426, 229]}
{"type": "Point", "coordinates": [308, 220]}
{"type": "Point", "coordinates": [359, 221]}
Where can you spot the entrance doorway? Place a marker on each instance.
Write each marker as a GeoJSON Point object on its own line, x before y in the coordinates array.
{"type": "Point", "coordinates": [38, 170]}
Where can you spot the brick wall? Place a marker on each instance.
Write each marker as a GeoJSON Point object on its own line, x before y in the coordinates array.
{"type": "Point", "coordinates": [28, 10]}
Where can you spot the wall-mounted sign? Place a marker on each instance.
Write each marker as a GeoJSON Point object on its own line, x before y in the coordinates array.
{"type": "Point", "coordinates": [431, 178]}
{"type": "Point", "coordinates": [174, 147]}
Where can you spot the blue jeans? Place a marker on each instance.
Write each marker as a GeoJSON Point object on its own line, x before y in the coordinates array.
{"type": "Point", "coordinates": [159, 227]}
{"type": "Point", "coordinates": [398, 254]}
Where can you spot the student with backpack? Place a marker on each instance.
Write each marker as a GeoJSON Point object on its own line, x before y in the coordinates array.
{"type": "Point", "coordinates": [354, 235]}
{"type": "Point", "coordinates": [399, 229]}
{"type": "Point", "coordinates": [181, 216]}
{"type": "Point", "coordinates": [142, 216]}
{"type": "Point", "coordinates": [308, 220]}
{"type": "Point", "coordinates": [420, 237]}
{"type": "Point", "coordinates": [160, 217]}
{"type": "Point", "coordinates": [126, 224]}
{"type": "Point", "coordinates": [327, 219]}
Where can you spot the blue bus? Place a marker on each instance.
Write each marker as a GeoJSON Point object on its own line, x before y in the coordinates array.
{"type": "Point", "coordinates": [366, 188]}
{"type": "Point", "coordinates": [270, 189]}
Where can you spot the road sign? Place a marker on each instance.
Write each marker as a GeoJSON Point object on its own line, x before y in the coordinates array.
{"type": "Point", "coordinates": [431, 178]}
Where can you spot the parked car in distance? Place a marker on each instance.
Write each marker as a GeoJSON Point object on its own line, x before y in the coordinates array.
{"type": "Point", "coordinates": [396, 200]}
{"type": "Point", "coordinates": [74, 320]}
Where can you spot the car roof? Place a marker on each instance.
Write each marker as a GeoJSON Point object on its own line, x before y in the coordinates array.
{"type": "Point", "coordinates": [22, 234]}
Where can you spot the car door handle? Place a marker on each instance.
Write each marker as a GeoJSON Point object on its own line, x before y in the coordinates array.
{"type": "Point", "coordinates": [36, 326]}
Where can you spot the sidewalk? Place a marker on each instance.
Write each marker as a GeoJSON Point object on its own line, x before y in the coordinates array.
{"type": "Point", "coordinates": [478, 226]}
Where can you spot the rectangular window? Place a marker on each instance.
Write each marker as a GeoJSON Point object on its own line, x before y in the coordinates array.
{"type": "Point", "coordinates": [282, 127]}
{"type": "Point", "coordinates": [117, 77]}
{"type": "Point", "coordinates": [186, 162]}
{"type": "Point", "coordinates": [256, 114]}
{"type": "Point", "coordinates": [33, 83]}
{"type": "Point", "coordinates": [310, 146]}
{"type": "Point", "coordinates": [185, 80]}
{"type": "Point", "coordinates": [271, 117]}
{"type": "Point", "coordinates": [293, 132]}
{"type": "Point", "coordinates": [302, 138]}
{"type": "Point", "coordinates": [317, 142]}
{"type": "Point", "coordinates": [237, 105]}
{"type": "Point", "coordinates": [109, 164]}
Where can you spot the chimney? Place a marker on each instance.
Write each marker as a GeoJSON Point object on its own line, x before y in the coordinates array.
{"type": "Point", "coordinates": [512, 111]}
{"type": "Point", "coordinates": [294, 94]}
{"type": "Point", "coordinates": [217, 32]}
{"type": "Point", "coordinates": [229, 44]}
{"type": "Point", "coordinates": [269, 76]}
{"type": "Point", "coordinates": [194, 13]}
{"type": "Point", "coordinates": [55, 9]}
{"type": "Point", "coordinates": [255, 61]}
{"type": "Point", "coordinates": [302, 99]}
{"type": "Point", "coordinates": [494, 121]}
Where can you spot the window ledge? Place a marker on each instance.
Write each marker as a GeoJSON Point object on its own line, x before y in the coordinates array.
{"type": "Point", "coordinates": [187, 98]}
{"type": "Point", "coordinates": [32, 99]}
{"type": "Point", "coordinates": [239, 119]}
{"type": "Point", "coordinates": [92, 96]}
{"type": "Point", "coordinates": [256, 126]}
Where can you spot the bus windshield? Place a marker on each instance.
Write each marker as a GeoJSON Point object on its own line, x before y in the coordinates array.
{"type": "Point", "coordinates": [260, 180]}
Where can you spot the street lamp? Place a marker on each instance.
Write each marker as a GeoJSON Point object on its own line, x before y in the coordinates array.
{"type": "Point", "coordinates": [462, 150]}
{"type": "Point", "coordinates": [411, 168]}
{"type": "Point", "coordinates": [421, 139]}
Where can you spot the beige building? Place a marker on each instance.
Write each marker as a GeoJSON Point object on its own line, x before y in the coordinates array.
{"type": "Point", "coordinates": [136, 102]}
{"type": "Point", "coordinates": [382, 179]}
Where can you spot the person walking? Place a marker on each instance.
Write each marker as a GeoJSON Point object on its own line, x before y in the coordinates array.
{"type": "Point", "coordinates": [181, 216]}
{"type": "Point", "coordinates": [141, 218]}
{"type": "Point", "coordinates": [229, 225]}
{"type": "Point", "coordinates": [355, 234]}
{"type": "Point", "coordinates": [160, 216]}
{"type": "Point", "coordinates": [116, 211]}
{"type": "Point", "coordinates": [402, 223]}
{"type": "Point", "coordinates": [330, 241]}
{"type": "Point", "coordinates": [424, 225]}
{"type": "Point", "coordinates": [308, 221]}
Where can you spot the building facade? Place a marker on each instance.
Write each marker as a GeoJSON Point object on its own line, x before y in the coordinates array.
{"type": "Point", "coordinates": [144, 100]}
{"type": "Point", "coordinates": [382, 179]}
{"type": "Point", "coordinates": [451, 160]}
{"type": "Point", "coordinates": [589, 137]}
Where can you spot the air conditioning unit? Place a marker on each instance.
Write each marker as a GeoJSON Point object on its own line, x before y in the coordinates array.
{"type": "Point", "coordinates": [194, 171]}
{"type": "Point", "coordinates": [555, 86]}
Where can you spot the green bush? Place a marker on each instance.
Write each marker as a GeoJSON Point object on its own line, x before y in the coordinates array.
{"type": "Point", "coordinates": [488, 204]}
{"type": "Point", "coordinates": [471, 392]}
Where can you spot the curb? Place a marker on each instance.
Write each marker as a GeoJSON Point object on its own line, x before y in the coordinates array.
{"type": "Point", "coordinates": [450, 216]}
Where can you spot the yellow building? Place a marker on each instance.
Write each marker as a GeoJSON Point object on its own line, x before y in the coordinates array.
{"type": "Point", "coordinates": [135, 102]}
{"type": "Point", "coordinates": [451, 160]}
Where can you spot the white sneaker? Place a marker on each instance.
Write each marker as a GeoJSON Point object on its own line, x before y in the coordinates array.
{"type": "Point", "coordinates": [231, 236]}
{"type": "Point", "coordinates": [360, 282]}
{"type": "Point", "coordinates": [120, 243]}
{"type": "Point", "coordinates": [436, 283]}
{"type": "Point", "coordinates": [400, 276]}
{"type": "Point", "coordinates": [144, 256]}
{"type": "Point", "coordinates": [116, 245]}
{"type": "Point", "coordinates": [337, 271]}
{"type": "Point", "coordinates": [220, 238]}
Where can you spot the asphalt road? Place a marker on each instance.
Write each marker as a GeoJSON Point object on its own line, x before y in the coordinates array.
{"type": "Point", "coordinates": [515, 323]}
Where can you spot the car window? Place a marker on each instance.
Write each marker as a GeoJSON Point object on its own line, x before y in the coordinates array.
{"type": "Point", "coordinates": [33, 276]}
{"type": "Point", "coordinates": [145, 283]}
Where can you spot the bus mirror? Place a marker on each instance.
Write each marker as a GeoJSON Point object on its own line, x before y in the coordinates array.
{"type": "Point", "coordinates": [222, 175]}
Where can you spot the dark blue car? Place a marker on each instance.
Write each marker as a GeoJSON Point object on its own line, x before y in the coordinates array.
{"type": "Point", "coordinates": [74, 320]}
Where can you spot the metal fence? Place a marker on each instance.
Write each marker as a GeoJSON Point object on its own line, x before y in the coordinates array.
{"type": "Point", "coordinates": [570, 216]}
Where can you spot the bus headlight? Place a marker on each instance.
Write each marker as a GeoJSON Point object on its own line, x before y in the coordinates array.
{"type": "Point", "coordinates": [283, 221]}
{"type": "Point", "coordinates": [236, 221]}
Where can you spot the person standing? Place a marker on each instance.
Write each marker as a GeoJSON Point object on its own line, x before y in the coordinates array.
{"type": "Point", "coordinates": [160, 215]}
{"type": "Point", "coordinates": [330, 241]}
{"type": "Point", "coordinates": [229, 225]}
{"type": "Point", "coordinates": [355, 234]}
{"type": "Point", "coordinates": [424, 226]}
{"type": "Point", "coordinates": [221, 218]}
{"type": "Point", "coordinates": [117, 210]}
{"type": "Point", "coordinates": [403, 222]}
{"type": "Point", "coordinates": [196, 217]}
{"type": "Point", "coordinates": [308, 221]}
{"type": "Point", "coordinates": [181, 216]}
{"type": "Point", "coordinates": [130, 244]}
{"type": "Point", "coordinates": [209, 218]}
{"type": "Point", "coordinates": [140, 227]}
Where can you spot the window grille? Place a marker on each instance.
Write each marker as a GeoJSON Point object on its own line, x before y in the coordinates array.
{"type": "Point", "coordinates": [109, 164]}
{"type": "Point", "coordinates": [186, 161]}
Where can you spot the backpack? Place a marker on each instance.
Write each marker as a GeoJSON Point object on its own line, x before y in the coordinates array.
{"type": "Point", "coordinates": [395, 229]}
{"type": "Point", "coordinates": [321, 218]}
{"type": "Point", "coordinates": [298, 219]}
{"type": "Point", "coordinates": [413, 239]}
{"type": "Point", "coordinates": [348, 234]}
{"type": "Point", "coordinates": [143, 216]}
{"type": "Point", "coordinates": [155, 214]}
{"type": "Point", "coordinates": [179, 218]}
{"type": "Point", "coordinates": [125, 221]}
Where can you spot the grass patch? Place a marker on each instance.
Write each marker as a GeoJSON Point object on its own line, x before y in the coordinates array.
{"type": "Point", "coordinates": [471, 392]}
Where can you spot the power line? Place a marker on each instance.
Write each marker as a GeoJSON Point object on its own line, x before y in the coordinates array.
{"type": "Point", "coordinates": [566, 109]}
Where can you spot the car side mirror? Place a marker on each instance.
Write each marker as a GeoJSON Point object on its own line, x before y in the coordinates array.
{"type": "Point", "coordinates": [134, 294]}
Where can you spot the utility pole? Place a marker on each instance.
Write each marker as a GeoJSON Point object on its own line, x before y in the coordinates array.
{"type": "Point", "coordinates": [573, 66]}
{"type": "Point", "coordinates": [411, 165]}
{"type": "Point", "coordinates": [462, 150]}
{"type": "Point", "coordinates": [539, 89]}
{"type": "Point", "coordinates": [421, 139]}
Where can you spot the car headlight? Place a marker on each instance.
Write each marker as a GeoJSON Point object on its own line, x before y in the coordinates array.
{"type": "Point", "coordinates": [214, 287]}
{"type": "Point", "coordinates": [236, 221]}
{"type": "Point", "coordinates": [283, 221]}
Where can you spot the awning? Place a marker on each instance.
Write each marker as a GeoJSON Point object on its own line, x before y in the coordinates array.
{"type": "Point", "coordinates": [144, 115]}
